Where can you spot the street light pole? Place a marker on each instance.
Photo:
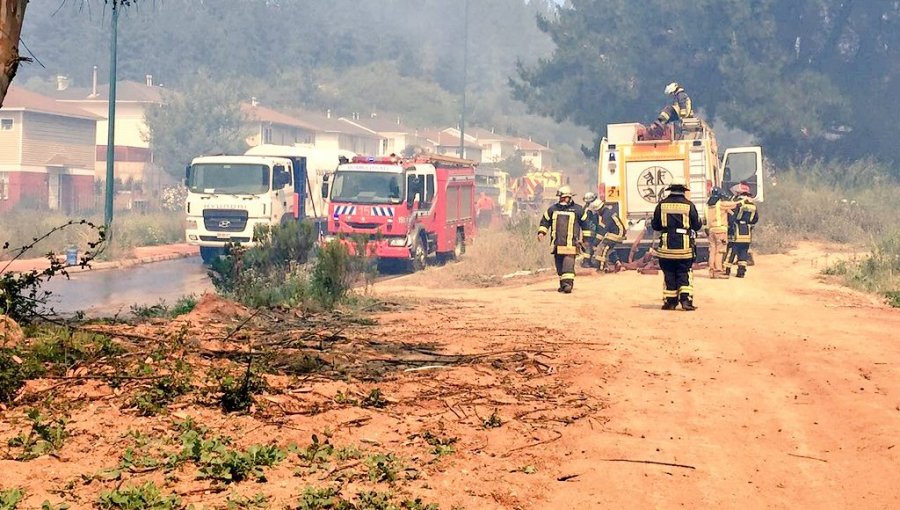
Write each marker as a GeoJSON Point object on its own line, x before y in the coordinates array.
{"type": "Point", "coordinates": [111, 132]}
{"type": "Point", "coordinates": [462, 122]}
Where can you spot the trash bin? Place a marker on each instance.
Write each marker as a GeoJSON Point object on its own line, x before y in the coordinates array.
{"type": "Point", "coordinates": [72, 256]}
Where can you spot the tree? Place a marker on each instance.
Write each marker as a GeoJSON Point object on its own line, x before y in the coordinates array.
{"type": "Point", "coordinates": [12, 18]}
{"type": "Point", "coordinates": [12, 14]}
{"type": "Point", "coordinates": [792, 73]}
{"type": "Point", "coordinates": [203, 118]}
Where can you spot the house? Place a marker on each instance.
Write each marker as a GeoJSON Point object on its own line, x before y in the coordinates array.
{"type": "Point", "coordinates": [495, 147]}
{"type": "Point", "coordinates": [268, 126]}
{"type": "Point", "coordinates": [442, 142]}
{"type": "Point", "coordinates": [395, 137]}
{"type": "Point", "coordinates": [534, 154]}
{"type": "Point", "coordinates": [333, 134]}
{"type": "Point", "coordinates": [47, 153]}
{"type": "Point", "coordinates": [132, 150]}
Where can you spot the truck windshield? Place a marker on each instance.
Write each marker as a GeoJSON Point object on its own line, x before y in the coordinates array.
{"type": "Point", "coordinates": [368, 187]}
{"type": "Point", "coordinates": [231, 179]}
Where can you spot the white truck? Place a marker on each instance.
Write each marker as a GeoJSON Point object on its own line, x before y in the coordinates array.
{"type": "Point", "coordinates": [635, 167]}
{"type": "Point", "coordinates": [228, 196]}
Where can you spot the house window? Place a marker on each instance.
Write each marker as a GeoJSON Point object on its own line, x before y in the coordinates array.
{"type": "Point", "coordinates": [535, 154]}
{"type": "Point", "coordinates": [267, 135]}
{"type": "Point", "coordinates": [6, 124]}
{"type": "Point", "coordinates": [4, 186]}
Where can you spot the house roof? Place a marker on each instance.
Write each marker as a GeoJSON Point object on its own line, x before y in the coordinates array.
{"type": "Point", "coordinates": [19, 99]}
{"type": "Point", "coordinates": [482, 134]}
{"type": "Point", "coordinates": [444, 139]}
{"type": "Point", "coordinates": [379, 124]}
{"type": "Point", "coordinates": [126, 91]}
{"type": "Point", "coordinates": [263, 114]}
{"type": "Point", "coordinates": [528, 145]}
{"type": "Point", "coordinates": [332, 124]}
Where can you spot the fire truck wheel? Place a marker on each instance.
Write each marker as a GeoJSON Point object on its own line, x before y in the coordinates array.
{"type": "Point", "coordinates": [419, 255]}
{"type": "Point", "coordinates": [459, 249]}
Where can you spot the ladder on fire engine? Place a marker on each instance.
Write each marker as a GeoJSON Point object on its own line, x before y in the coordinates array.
{"type": "Point", "coordinates": [447, 160]}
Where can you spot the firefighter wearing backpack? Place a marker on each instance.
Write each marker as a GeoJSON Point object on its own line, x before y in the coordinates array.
{"type": "Point", "coordinates": [745, 217]}
{"type": "Point", "coordinates": [564, 221]}
{"type": "Point", "coordinates": [677, 220]}
{"type": "Point", "coordinates": [590, 235]}
{"type": "Point", "coordinates": [613, 233]}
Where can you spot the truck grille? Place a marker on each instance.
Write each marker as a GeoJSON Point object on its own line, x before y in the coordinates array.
{"type": "Point", "coordinates": [224, 220]}
{"type": "Point", "coordinates": [229, 240]}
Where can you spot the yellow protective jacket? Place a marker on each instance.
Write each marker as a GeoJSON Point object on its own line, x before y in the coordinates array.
{"type": "Point", "coordinates": [564, 223]}
{"type": "Point", "coordinates": [677, 220]}
{"type": "Point", "coordinates": [745, 217]}
{"type": "Point", "coordinates": [717, 215]}
{"type": "Point", "coordinates": [612, 226]}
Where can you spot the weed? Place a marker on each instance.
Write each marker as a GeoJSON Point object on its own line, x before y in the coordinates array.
{"type": "Point", "coordinates": [316, 453]}
{"type": "Point", "coordinates": [374, 399]}
{"type": "Point", "coordinates": [332, 277]}
{"type": "Point", "coordinates": [47, 505]}
{"type": "Point", "coordinates": [384, 467]}
{"type": "Point", "coordinates": [10, 498]}
{"type": "Point", "coordinates": [238, 502]}
{"type": "Point", "coordinates": [43, 438]}
{"type": "Point", "coordinates": [528, 470]}
{"type": "Point", "coordinates": [327, 498]}
{"type": "Point", "coordinates": [138, 497]}
{"type": "Point", "coordinates": [183, 305]}
{"type": "Point", "coordinates": [345, 399]}
{"type": "Point", "coordinates": [235, 466]}
{"type": "Point", "coordinates": [440, 446]}
{"type": "Point", "coordinates": [237, 393]}
{"type": "Point", "coordinates": [61, 347]}
{"type": "Point", "coordinates": [164, 390]}
{"type": "Point", "coordinates": [494, 421]}
{"type": "Point", "coordinates": [14, 371]}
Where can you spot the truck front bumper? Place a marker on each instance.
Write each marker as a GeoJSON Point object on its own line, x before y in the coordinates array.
{"type": "Point", "coordinates": [387, 248]}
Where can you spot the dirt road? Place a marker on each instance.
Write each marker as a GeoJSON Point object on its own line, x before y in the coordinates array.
{"type": "Point", "coordinates": [781, 391]}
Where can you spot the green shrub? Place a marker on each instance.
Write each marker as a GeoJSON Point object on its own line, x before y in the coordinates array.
{"type": "Point", "coordinates": [877, 272]}
{"type": "Point", "coordinates": [332, 274]}
{"type": "Point", "coordinates": [235, 466]}
{"type": "Point", "coordinates": [10, 498]}
{"type": "Point", "coordinates": [43, 438]}
{"type": "Point", "coordinates": [152, 399]}
{"type": "Point", "coordinates": [14, 371]}
{"type": "Point", "coordinates": [138, 497]}
{"type": "Point", "coordinates": [184, 304]}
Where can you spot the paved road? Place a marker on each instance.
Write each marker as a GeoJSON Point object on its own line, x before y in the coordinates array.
{"type": "Point", "coordinates": [108, 292]}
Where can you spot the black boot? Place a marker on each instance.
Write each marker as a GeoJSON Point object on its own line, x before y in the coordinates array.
{"type": "Point", "coordinates": [567, 287]}
{"type": "Point", "coordinates": [670, 303]}
{"type": "Point", "coordinates": [741, 272]}
{"type": "Point", "coordinates": [687, 304]}
{"type": "Point", "coordinates": [728, 271]}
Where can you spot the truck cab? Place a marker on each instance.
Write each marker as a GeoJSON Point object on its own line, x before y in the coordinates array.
{"type": "Point", "coordinates": [406, 210]}
{"type": "Point", "coordinates": [495, 184]}
{"type": "Point", "coordinates": [228, 196]}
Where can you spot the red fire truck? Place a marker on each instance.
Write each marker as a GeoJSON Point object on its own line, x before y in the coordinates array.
{"type": "Point", "coordinates": [410, 209]}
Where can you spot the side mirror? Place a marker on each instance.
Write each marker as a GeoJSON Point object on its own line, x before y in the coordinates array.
{"type": "Point", "coordinates": [325, 186]}
{"type": "Point", "coordinates": [187, 175]}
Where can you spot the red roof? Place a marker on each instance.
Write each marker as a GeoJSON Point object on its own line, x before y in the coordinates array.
{"type": "Point", "coordinates": [20, 99]}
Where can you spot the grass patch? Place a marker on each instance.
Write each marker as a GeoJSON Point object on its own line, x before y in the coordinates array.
{"type": "Point", "coordinates": [162, 310]}
{"type": "Point", "coordinates": [878, 272]}
{"type": "Point", "coordinates": [10, 498]}
{"type": "Point", "coordinates": [330, 498]}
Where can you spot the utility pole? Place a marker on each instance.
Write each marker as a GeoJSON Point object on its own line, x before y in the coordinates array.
{"type": "Point", "coordinates": [462, 121]}
{"type": "Point", "coordinates": [111, 132]}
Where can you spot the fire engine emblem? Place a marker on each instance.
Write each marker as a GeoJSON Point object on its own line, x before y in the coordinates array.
{"type": "Point", "coordinates": [652, 182]}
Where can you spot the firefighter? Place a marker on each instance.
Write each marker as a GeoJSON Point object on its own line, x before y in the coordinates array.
{"type": "Point", "coordinates": [746, 217]}
{"type": "Point", "coordinates": [484, 208]}
{"type": "Point", "coordinates": [730, 253]}
{"type": "Point", "coordinates": [718, 212]}
{"type": "Point", "coordinates": [680, 109]}
{"type": "Point", "coordinates": [590, 235]}
{"type": "Point", "coordinates": [677, 221]}
{"type": "Point", "coordinates": [613, 233]}
{"type": "Point", "coordinates": [564, 221]}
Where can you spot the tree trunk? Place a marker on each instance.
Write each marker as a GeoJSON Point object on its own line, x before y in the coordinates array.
{"type": "Point", "coordinates": [12, 13]}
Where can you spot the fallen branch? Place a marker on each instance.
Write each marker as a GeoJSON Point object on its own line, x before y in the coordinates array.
{"type": "Point", "coordinates": [532, 445]}
{"type": "Point", "coordinates": [650, 462]}
{"type": "Point", "coordinates": [807, 457]}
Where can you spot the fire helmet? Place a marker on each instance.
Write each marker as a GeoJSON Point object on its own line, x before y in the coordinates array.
{"type": "Point", "coordinates": [589, 197]}
{"type": "Point", "coordinates": [565, 191]}
{"type": "Point", "coordinates": [672, 87]}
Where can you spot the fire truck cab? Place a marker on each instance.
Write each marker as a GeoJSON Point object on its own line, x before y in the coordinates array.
{"type": "Point", "coordinates": [408, 209]}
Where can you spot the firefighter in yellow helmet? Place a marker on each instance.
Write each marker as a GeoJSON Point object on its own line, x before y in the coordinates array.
{"type": "Point", "coordinates": [564, 221]}
{"type": "Point", "coordinates": [612, 233]}
{"type": "Point", "coordinates": [680, 109]}
{"type": "Point", "coordinates": [677, 221]}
